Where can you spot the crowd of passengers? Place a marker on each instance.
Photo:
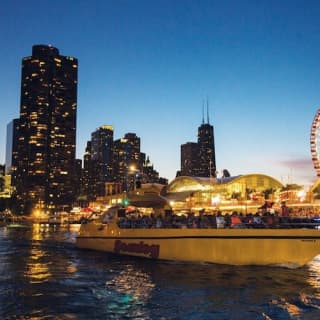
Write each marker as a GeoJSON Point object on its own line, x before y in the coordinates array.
{"type": "Point", "coordinates": [262, 219]}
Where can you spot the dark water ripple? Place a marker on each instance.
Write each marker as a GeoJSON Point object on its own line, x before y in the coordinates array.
{"type": "Point", "coordinates": [43, 276]}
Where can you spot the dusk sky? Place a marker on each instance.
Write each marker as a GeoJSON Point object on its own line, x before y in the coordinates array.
{"type": "Point", "coordinates": [146, 67]}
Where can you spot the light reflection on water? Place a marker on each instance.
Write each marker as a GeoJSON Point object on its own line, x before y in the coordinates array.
{"type": "Point", "coordinates": [43, 276]}
{"type": "Point", "coordinates": [129, 289]}
{"type": "Point", "coordinates": [37, 271]}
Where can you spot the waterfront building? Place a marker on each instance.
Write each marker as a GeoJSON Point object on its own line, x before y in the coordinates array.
{"type": "Point", "coordinates": [11, 149]}
{"type": "Point", "coordinates": [86, 190]}
{"type": "Point", "coordinates": [245, 193]}
{"type": "Point", "coordinates": [115, 166]}
{"type": "Point", "coordinates": [2, 174]}
{"type": "Point", "coordinates": [134, 156]}
{"type": "Point", "coordinates": [127, 160]}
{"type": "Point", "coordinates": [78, 178]}
{"type": "Point", "coordinates": [101, 157]}
{"type": "Point", "coordinates": [150, 175]}
{"type": "Point", "coordinates": [47, 130]}
{"type": "Point", "coordinates": [120, 163]}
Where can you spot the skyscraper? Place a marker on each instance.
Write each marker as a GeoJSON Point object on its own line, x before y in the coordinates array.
{"type": "Point", "coordinates": [47, 130]}
{"type": "Point", "coordinates": [115, 166]}
{"type": "Point", "coordinates": [189, 159]}
{"type": "Point", "coordinates": [11, 147]}
{"type": "Point", "coordinates": [102, 158]}
{"type": "Point", "coordinates": [86, 173]}
{"type": "Point", "coordinates": [2, 178]}
{"type": "Point", "coordinates": [127, 160]}
{"type": "Point", "coordinates": [207, 158]}
{"type": "Point", "coordinates": [198, 158]}
{"type": "Point", "coordinates": [150, 175]}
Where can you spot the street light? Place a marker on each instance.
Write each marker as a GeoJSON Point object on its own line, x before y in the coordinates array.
{"type": "Point", "coordinates": [129, 170]}
{"type": "Point", "coordinates": [136, 177]}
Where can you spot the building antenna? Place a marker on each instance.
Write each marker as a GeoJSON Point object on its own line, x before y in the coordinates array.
{"type": "Point", "coordinates": [208, 110]}
{"type": "Point", "coordinates": [202, 111]}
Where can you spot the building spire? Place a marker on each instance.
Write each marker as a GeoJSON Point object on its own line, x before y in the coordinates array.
{"type": "Point", "coordinates": [202, 111]}
{"type": "Point", "coordinates": [208, 110]}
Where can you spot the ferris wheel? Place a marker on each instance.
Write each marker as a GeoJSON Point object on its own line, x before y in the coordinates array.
{"type": "Point", "coordinates": [314, 142]}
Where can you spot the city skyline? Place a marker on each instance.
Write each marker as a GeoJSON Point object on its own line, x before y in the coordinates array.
{"type": "Point", "coordinates": [147, 67]}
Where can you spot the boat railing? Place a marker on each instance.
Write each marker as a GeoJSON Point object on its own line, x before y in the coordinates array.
{"type": "Point", "coordinates": [299, 222]}
{"type": "Point", "coordinates": [147, 222]}
{"type": "Point", "coordinates": [300, 225]}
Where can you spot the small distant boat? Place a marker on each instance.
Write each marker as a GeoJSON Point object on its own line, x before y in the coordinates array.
{"type": "Point", "coordinates": [7, 219]}
{"type": "Point", "coordinates": [291, 248]}
{"type": "Point", "coordinates": [17, 225]}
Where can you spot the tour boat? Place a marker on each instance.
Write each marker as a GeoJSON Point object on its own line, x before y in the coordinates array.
{"type": "Point", "coordinates": [291, 248]}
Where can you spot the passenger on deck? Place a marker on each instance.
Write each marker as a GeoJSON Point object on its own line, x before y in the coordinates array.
{"type": "Point", "coordinates": [268, 219]}
{"type": "Point", "coordinates": [236, 221]}
{"type": "Point", "coordinates": [220, 220]}
{"type": "Point", "coordinates": [248, 219]}
{"type": "Point", "coordinates": [159, 222]}
{"type": "Point", "coordinates": [227, 219]}
{"type": "Point", "coordinates": [284, 212]}
{"type": "Point", "coordinates": [257, 221]}
{"type": "Point", "coordinates": [204, 222]}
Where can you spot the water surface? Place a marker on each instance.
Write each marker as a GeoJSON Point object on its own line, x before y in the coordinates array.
{"type": "Point", "coordinates": [43, 276]}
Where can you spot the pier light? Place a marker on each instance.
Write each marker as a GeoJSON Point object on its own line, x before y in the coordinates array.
{"type": "Point", "coordinates": [301, 195]}
{"type": "Point", "coordinates": [37, 213]}
{"type": "Point", "coordinates": [215, 201]}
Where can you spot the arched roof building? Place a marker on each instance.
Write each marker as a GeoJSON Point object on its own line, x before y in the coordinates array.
{"type": "Point", "coordinates": [204, 191]}
{"type": "Point", "coordinates": [259, 182]}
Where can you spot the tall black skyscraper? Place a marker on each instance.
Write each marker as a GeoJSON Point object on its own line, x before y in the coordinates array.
{"type": "Point", "coordinates": [47, 130]}
{"type": "Point", "coordinates": [199, 159]}
{"type": "Point", "coordinates": [206, 156]}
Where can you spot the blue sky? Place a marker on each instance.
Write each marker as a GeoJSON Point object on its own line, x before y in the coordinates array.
{"type": "Point", "coordinates": [147, 66]}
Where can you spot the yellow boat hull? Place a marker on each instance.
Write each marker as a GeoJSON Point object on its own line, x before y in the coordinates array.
{"type": "Point", "coordinates": [281, 247]}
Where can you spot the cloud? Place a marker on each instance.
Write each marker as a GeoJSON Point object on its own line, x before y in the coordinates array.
{"type": "Point", "coordinates": [301, 170]}
{"type": "Point", "coordinates": [299, 164]}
